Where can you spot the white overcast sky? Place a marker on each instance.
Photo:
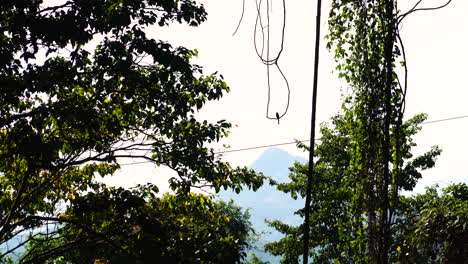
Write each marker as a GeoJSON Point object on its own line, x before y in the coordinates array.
{"type": "Point", "coordinates": [437, 56]}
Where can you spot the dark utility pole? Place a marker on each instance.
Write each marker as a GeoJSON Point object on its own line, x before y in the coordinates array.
{"type": "Point", "coordinates": [306, 236]}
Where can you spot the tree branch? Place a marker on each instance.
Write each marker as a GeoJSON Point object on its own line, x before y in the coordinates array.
{"type": "Point", "coordinates": [415, 9]}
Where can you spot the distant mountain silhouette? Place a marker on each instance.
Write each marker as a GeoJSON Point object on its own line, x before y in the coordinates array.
{"type": "Point", "coordinates": [267, 202]}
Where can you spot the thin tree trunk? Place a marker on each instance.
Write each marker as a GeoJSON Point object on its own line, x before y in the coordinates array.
{"type": "Point", "coordinates": [384, 223]}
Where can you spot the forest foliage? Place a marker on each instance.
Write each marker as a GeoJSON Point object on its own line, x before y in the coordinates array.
{"type": "Point", "coordinates": [364, 158]}
{"type": "Point", "coordinates": [82, 88]}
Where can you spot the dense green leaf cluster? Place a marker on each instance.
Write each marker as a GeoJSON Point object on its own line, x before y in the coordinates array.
{"type": "Point", "coordinates": [83, 86]}
{"type": "Point", "coordinates": [433, 226]}
{"type": "Point", "coordinates": [364, 160]}
{"type": "Point", "coordinates": [366, 42]}
{"type": "Point", "coordinates": [254, 259]}
{"type": "Point", "coordinates": [336, 231]}
{"type": "Point", "coordinates": [134, 226]}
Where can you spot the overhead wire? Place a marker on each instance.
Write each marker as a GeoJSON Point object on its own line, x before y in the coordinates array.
{"type": "Point", "coordinates": [268, 61]}
{"type": "Point", "coordinates": [308, 140]}
{"type": "Point", "coordinates": [445, 119]}
{"type": "Point", "coordinates": [295, 142]}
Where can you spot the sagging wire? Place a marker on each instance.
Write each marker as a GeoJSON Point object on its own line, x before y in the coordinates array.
{"type": "Point", "coordinates": [260, 53]}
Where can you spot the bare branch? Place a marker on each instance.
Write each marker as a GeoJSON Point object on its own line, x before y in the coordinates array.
{"type": "Point", "coordinates": [53, 8]}
{"type": "Point", "coordinates": [415, 9]}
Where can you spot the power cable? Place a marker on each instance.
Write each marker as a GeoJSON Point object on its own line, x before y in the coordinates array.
{"type": "Point", "coordinates": [445, 119]}
{"type": "Point", "coordinates": [265, 146]}
{"type": "Point", "coordinates": [298, 141]}
{"type": "Point", "coordinates": [308, 140]}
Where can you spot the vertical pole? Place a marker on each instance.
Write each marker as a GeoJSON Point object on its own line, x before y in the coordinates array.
{"type": "Point", "coordinates": [306, 235]}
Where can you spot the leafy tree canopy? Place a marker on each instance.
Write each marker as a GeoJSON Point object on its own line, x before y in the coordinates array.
{"type": "Point", "coordinates": [82, 85]}
{"type": "Point", "coordinates": [433, 226]}
{"type": "Point", "coordinates": [335, 229]}
{"type": "Point", "coordinates": [134, 226]}
{"type": "Point", "coordinates": [254, 259]}
{"type": "Point", "coordinates": [365, 159]}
